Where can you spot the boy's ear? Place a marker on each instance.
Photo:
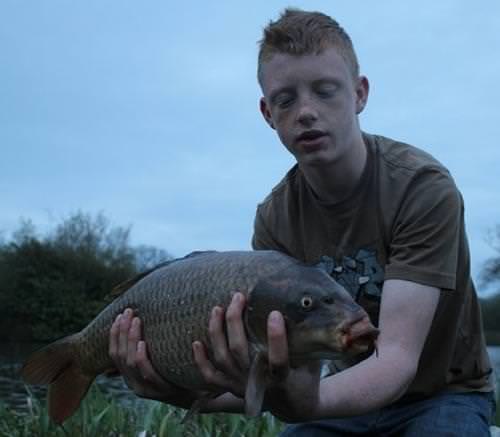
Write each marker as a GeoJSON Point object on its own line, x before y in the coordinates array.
{"type": "Point", "coordinates": [266, 113]}
{"type": "Point", "coordinates": [362, 90]}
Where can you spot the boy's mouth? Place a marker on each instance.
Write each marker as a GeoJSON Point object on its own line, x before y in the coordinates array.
{"type": "Point", "coordinates": [310, 135]}
{"type": "Point", "coordinates": [310, 140]}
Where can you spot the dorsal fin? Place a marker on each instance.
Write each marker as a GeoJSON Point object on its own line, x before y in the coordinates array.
{"type": "Point", "coordinates": [122, 287]}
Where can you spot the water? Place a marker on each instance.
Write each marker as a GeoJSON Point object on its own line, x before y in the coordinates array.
{"type": "Point", "coordinates": [494, 352]}
{"type": "Point", "coordinates": [13, 391]}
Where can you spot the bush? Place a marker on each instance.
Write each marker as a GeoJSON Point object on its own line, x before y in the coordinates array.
{"type": "Point", "coordinates": [55, 284]}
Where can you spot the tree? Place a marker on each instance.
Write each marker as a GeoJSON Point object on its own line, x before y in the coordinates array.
{"type": "Point", "coordinates": [491, 270]}
{"type": "Point", "coordinates": [57, 283]}
{"type": "Point", "coordinates": [490, 275]}
{"type": "Point", "coordinates": [146, 257]}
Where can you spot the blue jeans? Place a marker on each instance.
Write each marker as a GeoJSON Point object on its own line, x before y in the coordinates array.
{"type": "Point", "coordinates": [449, 414]}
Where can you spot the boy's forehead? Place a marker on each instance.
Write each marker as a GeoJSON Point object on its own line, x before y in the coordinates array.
{"type": "Point", "coordinates": [282, 66]}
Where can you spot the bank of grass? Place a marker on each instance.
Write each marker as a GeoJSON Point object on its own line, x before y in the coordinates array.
{"type": "Point", "coordinates": [100, 416]}
{"type": "Point", "coordinates": [103, 417]}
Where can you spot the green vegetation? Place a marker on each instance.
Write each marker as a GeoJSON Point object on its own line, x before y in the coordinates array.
{"type": "Point", "coordinates": [99, 416]}
{"type": "Point", "coordinates": [54, 284]}
{"type": "Point", "coordinates": [491, 321]}
{"type": "Point", "coordinates": [490, 276]}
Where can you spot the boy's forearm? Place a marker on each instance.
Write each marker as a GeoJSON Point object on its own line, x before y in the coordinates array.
{"type": "Point", "coordinates": [366, 387]}
{"type": "Point", "coordinates": [363, 388]}
{"type": "Point", "coordinates": [406, 313]}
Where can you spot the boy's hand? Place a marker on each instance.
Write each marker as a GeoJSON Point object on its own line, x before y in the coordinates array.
{"type": "Point", "coordinates": [229, 370]}
{"type": "Point", "coordinates": [129, 354]}
{"type": "Point", "coordinates": [231, 361]}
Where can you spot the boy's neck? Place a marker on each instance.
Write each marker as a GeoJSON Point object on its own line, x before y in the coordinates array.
{"type": "Point", "coordinates": [335, 182]}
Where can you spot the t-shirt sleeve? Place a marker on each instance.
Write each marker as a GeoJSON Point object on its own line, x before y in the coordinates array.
{"type": "Point", "coordinates": [425, 235]}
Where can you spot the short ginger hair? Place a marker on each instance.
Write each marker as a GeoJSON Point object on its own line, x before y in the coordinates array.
{"type": "Point", "coordinates": [298, 32]}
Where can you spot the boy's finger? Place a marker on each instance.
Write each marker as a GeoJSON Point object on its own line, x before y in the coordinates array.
{"type": "Point", "coordinates": [278, 346]}
{"type": "Point", "coordinates": [237, 339]}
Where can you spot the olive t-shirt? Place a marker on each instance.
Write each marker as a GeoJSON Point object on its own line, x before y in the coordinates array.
{"type": "Point", "coordinates": [405, 221]}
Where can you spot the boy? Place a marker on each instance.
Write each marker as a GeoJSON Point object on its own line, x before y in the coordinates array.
{"type": "Point", "coordinates": [390, 219]}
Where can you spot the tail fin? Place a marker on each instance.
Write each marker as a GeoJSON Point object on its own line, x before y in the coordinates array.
{"type": "Point", "coordinates": [55, 365]}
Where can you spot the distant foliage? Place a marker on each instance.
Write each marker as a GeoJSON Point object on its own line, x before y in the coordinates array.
{"type": "Point", "coordinates": [146, 257]}
{"type": "Point", "coordinates": [491, 270]}
{"type": "Point", "coordinates": [490, 307]}
{"type": "Point", "coordinates": [56, 283]}
{"type": "Point", "coordinates": [490, 275]}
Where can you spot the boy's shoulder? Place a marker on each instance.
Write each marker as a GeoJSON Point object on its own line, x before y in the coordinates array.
{"type": "Point", "coordinates": [403, 156]}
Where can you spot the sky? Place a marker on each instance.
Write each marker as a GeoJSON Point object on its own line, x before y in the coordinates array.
{"type": "Point", "coordinates": [148, 111]}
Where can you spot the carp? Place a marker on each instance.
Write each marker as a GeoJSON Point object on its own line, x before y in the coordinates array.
{"type": "Point", "coordinates": [174, 301]}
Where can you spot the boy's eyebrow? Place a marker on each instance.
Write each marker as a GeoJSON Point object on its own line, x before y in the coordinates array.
{"type": "Point", "coordinates": [327, 81]}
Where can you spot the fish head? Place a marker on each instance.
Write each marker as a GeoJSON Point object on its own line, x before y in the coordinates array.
{"type": "Point", "coordinates": [322, 319]}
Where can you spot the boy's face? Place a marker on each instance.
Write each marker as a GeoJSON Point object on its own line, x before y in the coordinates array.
{"type": "Point", "coordinates": [312, 101]}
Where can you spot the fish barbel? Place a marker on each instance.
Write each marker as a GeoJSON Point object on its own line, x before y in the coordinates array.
{"type": "Point", "coordinates": [174, 301]}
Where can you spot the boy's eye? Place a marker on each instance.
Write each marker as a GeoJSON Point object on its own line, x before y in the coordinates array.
{"type": "Point", "coordinates": [282, 99]}
{"type": "Point", "coordinates": [325, 92]}
{"type": "Point", "coordinates": [283, 102]}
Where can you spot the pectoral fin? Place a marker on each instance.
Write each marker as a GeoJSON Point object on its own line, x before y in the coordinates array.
{"type": "Point", "coordinates": [256, 386]}
{"type": "Point", "coordinates": [198, 405]}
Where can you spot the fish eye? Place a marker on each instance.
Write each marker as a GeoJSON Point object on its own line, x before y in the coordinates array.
{"type": "Point", "coordinates": [306, 302]}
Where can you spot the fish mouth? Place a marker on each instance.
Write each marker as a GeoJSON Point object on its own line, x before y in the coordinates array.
{"type": "Point", "coordinates": [359, 336]}
{"type": "Point", "coordinates": [352, 337]}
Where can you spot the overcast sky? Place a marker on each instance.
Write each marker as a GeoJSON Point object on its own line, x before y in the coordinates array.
{"type": "Point", "coordinates": [148, 111]}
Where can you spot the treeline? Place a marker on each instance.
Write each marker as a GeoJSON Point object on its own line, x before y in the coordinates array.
{"type": "Point", "coordinates": [55, 283]}
{"type": "Point", "coordinates": [491, 318]}
{"type": "Point", "coordinates": [491, 276]}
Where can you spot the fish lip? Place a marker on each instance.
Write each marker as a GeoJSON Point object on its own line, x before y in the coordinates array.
{"type": "Point", "coordinates": [368, 333]}
{"type": "Point", "coordinates": [310, 134]}
{"type": "Point", "coordinates": [346, 325]}
{"type": "Point", "coordinates": [363, 336]}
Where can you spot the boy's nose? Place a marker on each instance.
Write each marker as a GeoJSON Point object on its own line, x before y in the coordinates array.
{"type": "Point", "coordinates": [307, 114]}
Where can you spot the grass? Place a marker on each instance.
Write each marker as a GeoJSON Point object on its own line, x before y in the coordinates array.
{"type": "Point", "coordinates": [100, 416]}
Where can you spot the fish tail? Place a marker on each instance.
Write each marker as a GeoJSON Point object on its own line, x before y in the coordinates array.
{"type": "Point", "coordinates": [56, 365]}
